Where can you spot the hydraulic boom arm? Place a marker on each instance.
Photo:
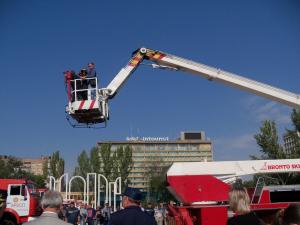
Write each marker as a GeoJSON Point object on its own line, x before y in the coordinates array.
{"type": "Point", "coordinates": [167, 61]}
{"type": "Point", "coordinates": [88, 108]}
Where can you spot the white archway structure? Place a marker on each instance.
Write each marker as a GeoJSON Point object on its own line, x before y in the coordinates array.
{"type": "Point", "coordinates": [117, 191]}
{"type": "Point", "coordinates": [110, 184]}
{"type": "Point", "coordinates": [66, 176]}
{"type": "Point", "coordinates": [88, 188]}
{"type": "Point", "coordinates": [52, 182]}
{"type": "Point", "coordinates": [84, 184]}
{"type": "Point", "coordinates": [99, 188]}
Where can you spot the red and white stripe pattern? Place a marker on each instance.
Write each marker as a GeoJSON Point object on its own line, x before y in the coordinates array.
{"type": "Point", "coordinates": [85, 104]}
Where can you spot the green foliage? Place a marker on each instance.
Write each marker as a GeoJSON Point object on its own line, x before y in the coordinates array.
{"type": "Point", "coordinates": [103, 161]}
{"type": "Point", "coordinates": [107, 160]}
{"type": "Point", "coordinates": [13, 168]}
{"type": "Point", "coordinates": [268, 141]}
{"type": "Point", "coordinates": [125, 163]}
{"type": "Point", "coordinates": [95, 160]}
{"type": "Point", "coordinates": [156, 174]}
{"type": "Point", "coordinates": [57, 165]}
{"type": "Point", "coordinates": [84, 165]}
{"type": "Point", "coordinates": [270, 148]}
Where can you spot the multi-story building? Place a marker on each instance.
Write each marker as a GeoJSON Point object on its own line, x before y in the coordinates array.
{"type": "Point", "coordinates": [35, 166]}
{"type": "Point", "coordinates": [291, 143]}
{"type": "Point", "coordinates": [161, 152]}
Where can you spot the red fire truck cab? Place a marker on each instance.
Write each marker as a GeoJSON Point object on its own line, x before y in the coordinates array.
{"type": "Point", "coordinates": [22, 203]}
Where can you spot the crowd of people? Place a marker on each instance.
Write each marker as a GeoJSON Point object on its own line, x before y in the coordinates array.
{"type": "Point", "coordinates": [133, 213]}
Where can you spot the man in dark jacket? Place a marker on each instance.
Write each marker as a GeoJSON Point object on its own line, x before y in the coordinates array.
{"type": "Point", "coordinates": [72, 214]}
{"type": "Point", "coordinates": [132, 213]}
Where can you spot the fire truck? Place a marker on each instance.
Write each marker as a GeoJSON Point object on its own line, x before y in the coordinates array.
{"type": "Point", "coordinates": [22, 203]}
{"type": "Point", "coordinates": [201, 187]}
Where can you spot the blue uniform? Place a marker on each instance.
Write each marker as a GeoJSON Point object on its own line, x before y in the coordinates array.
{"type": "Point", "coordinates": [132, 215]}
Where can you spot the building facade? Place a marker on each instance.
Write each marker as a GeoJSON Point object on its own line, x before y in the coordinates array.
{"type": "Point", "coordinates": [291, 143]}
{"type": "Point", "coordinates": [35, 166]}
{"type": "Point", "coordinates": [161, 152]}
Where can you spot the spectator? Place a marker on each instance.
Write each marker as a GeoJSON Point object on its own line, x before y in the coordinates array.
{"type": "Point", "coordinates": [91, 215]}
{"type": "Point", "coordinates": [51, 203]}
{"type": "Point", "coordinates": [82, 214]}
{"type": "Point", "coordinates": [99, 217]}
{"type": "Point", "coordinates": [72, 214]}
{"type": "Point", "coordinates": [132, 213]}
{"type": "Point", "coordinates": [62, 213]}
{"type": "Point", "coordinates": [239, 203]}
{"type": "Point", "coordinates": [106, 211]}
{"type": "Point", "coordinates": [149, 209]}
{"type": "Point", "coordinates": [158, 215]}
{"type": "Point", "coordinates": [291, 215]}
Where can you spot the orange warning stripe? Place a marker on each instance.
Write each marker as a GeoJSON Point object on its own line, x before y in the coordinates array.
{"type": "Point", "coordinates": [138, 58]}
{"type": "Point", "coordinates": [156, 55]}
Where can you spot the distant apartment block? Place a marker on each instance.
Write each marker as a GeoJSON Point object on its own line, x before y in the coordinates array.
{"type": "Point", "coordinates": [190, 147]}
{"type": "Point", "coordinates": [290, 143]}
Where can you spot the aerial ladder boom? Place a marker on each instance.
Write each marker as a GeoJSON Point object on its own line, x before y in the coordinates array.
{"type": "Point", "coordinates": [167, 61]}
{"type": "Point", "coordinates": [93, 111]}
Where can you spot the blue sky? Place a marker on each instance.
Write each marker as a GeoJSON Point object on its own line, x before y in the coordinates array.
{"type": "Point", "coordinates": [41, 39]}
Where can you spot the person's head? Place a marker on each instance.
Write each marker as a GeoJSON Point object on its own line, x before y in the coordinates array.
{"type": "Point", "coordinates": [131, 196]}
{"type": "Point", "coordinates": [72, 204]}
{"type": "Point", "coordinates": [149, 205]}
{"type": "Point", "coordinates": [291, 215]}
{"type": "Point", "coordinates": [83, 72]}
{"type": "Point", "coordinates": [239, 200]}
{"type": "Point", "coordinates": [51, 201]}
{"type": "Point", "coordinates": [106, 205]}
{"type": "Point", "coordinates": [91, 65]}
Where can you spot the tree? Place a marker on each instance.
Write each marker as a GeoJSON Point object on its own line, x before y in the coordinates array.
{"type": "Point", "coordinates": [13, 168]}
{"type": "Point", "coordinates": [84, 165]}
{"type": "Point", "coordinates": [270, 148]}
{"type": "Point", "coordinates": [57, 165]}
{"type": "Point", "coordinates": [95, 160]}
{"type": "Point", "coordinates": [123, 162]}
{"type": "Point", "coordinates": [268, 141]}
{"type": "Point", "coordinates": [156, 173]}
{"type": "Point", "coordinates": [107, 160]}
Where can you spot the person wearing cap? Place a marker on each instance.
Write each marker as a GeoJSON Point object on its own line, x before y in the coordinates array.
{"type": "Point", "coordinates": [132, 213]}
{"type": "Point", "coordinates": [51, 202]}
